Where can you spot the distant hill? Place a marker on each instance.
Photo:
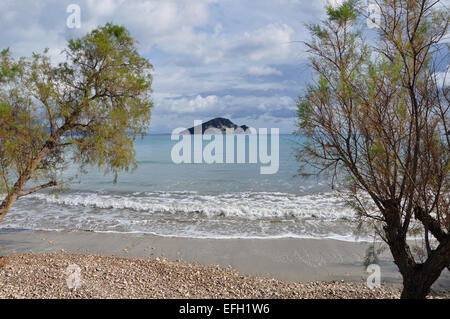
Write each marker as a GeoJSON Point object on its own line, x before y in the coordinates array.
{"type": "Point", "coordinates": [221, 124]}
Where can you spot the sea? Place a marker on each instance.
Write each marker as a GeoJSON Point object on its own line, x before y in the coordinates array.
{"type": "Point", "coordinates": [196, 200]}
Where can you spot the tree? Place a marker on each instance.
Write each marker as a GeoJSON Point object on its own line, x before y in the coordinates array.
{"type": "Point", "coordinates": [377, 117]}
{"type": "Point", "coordinates": [87, 110]}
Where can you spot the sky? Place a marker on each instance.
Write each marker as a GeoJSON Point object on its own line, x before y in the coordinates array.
{"type": "Point", "coordinates": [238, 59]}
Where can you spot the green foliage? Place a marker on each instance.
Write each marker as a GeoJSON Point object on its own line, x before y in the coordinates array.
{"type": "Point", "coordinates": [86, 110]}
{"type": "Point", "coordinates": [318, 31]}
{"type": "Point", "coordinates": [343, 13]}
{"type": "Point", "coordinates": [304, 112]}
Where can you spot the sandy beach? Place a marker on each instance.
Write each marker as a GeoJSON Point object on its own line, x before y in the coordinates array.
{"type": "Point", "coordinates": [145, 266]}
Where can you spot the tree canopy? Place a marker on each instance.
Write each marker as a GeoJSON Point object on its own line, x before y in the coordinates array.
{"type": "Point", "coordinates": [87, 110]}
{"type": "Point", "coordinates": [377, 117]}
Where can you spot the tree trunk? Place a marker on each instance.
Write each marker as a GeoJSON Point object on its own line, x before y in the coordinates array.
{"type": "Point", "coordinates": [417, 278]}
{"type": "Point", "coordinates": [11, 198]}
{"type": "Point", "coordinates": [415, 286]}
{"type": "Point", "coordinates": [2, 214]}
{"type": "Point", "coordinates": [17, 189]}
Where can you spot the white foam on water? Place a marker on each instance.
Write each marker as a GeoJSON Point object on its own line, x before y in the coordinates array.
{"type": "Point", "coordinates": [189, 214]}
{"type": "Point", "coordinates": [245, 205]}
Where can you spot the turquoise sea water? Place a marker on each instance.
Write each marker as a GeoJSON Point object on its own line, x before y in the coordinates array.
{"type": "Point", "coordinates": [192, 200]}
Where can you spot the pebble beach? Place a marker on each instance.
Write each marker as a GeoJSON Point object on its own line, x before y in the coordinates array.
{"type": "Point", "coordinates": [45, 276]}
{"type": "Point", "coordinates": [36, 265]}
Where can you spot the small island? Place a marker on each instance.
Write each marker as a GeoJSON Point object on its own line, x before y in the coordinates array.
{"type": "Point", "coordinates": [224, 125]}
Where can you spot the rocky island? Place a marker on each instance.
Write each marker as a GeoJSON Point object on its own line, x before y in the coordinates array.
{"type": "Point", "coordinates": [224, 125]}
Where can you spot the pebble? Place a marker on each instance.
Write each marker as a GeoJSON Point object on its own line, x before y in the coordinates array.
{"type": "Point", "coordinates": [44, 276]}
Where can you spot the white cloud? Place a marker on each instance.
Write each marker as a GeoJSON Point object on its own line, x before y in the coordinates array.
{"type": "Point", "coordinates": [203, 51]}
{"type": "Point", "coordinates": [275, 111]}
{"type": "Point", "coordinates": [334, 3]}
{"type": "Point", "coordinates": [197, 105]}
{"type": "Point", "coordinates": [166, 24]}
{"type": "Point", "coordinates": [234, 106]}
{"type": "Point", "coordinates": [263, 70]}
{"type": "Point", "coordinates": [103, 7]}
{"type": "Point", "coordinates": [271, 43]}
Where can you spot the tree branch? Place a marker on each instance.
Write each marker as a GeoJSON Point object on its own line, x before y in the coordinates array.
{"type": "Point", "coordinates": [430, 223]}
{"type": "Point", "coordinates": [37, 188]}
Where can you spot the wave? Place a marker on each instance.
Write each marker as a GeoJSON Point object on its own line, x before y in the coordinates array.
{"type": "Point", "coordinates": [245, 205]}
{"type": "Point", "coordinates": [188, 214]}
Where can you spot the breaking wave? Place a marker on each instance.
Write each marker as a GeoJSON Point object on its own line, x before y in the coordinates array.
{"type": "Point", "coordinates": [190, 214]}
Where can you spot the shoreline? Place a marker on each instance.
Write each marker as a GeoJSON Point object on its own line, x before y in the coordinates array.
{"type": "Point", "coordinates": [286, 259]}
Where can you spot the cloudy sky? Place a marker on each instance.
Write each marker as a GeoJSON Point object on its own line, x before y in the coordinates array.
{"type": "Point", "coordinates": [232, 58]}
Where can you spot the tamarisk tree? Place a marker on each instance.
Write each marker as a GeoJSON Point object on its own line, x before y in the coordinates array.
{"type": "Point", "coordinates": [377, 117]}
{"type": "Point", "coordinates": [87, 110]}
